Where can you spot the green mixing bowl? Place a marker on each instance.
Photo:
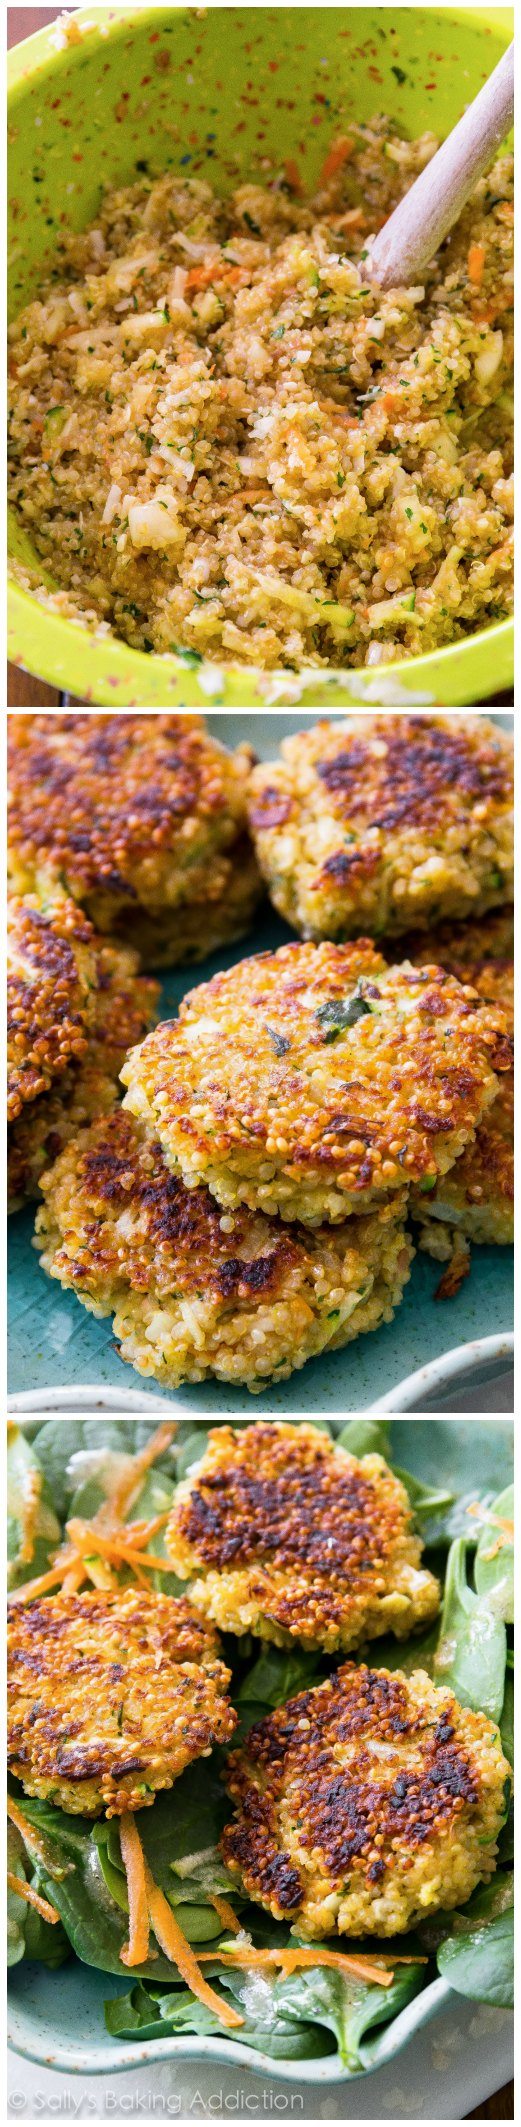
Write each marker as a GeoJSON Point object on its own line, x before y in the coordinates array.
{"type": "Point", "coordinates": [223, 93]}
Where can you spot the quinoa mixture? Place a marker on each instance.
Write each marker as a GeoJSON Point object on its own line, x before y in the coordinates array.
{"type": "Point", "coordinates": [226, 442]}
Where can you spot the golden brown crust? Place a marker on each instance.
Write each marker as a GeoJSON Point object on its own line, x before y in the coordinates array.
{"type": "Point", "coordinates": [373, 823]}
{"type": "Point", "coordinates": [195, 1292]}
{"type": "Point", "coordinates": [480, 953]}
{"type": "Point", "coordinates": [314, 1080]}
{"type": "Point", "coordinates": [49, 975]}
{"type": "Point", "coordinates": [122, 1006]}
{"type": "Point", "coordinates": [281, 1531]}
{"type": "Point", "coordinates": [111, 1696]}
{"type": "Point", "coordinates": [136, 813]}
{"type": "Point", "coordinates": [352, 1797]}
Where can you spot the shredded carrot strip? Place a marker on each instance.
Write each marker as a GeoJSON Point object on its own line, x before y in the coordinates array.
{"type": "Point", "coordinates": [301, 1959]}
{"type": "Point", "coordinates": [44, 1581]}
{"type": "Point", "coordinates": [88, 1541]}
{"type": "Point", "coordinates": [132, 1480]}
{"type": "Point", "coordinates": [226, 1914]}
{"type": "Point", "coordinates": [175, 1946]}
{"type": "Point", "coordinates": [136, 1950]}
{"type": "Point", "coordinates": [24, 1890]}
{"type": "Point", "coordinates": [140, 1532]}
{"type": "Point", "coordinates": [495, 1521]}
{"type": "Point", "coordinates": [32, 1839]}
{"type": "Point", "coordinates": [475, 264]}
{"type": "Point", "coordinates": [292, 173]}
{"type": "Point", "coordinates": [73, 1580]}
{"type": "Point", "coordinates": [338, 154]}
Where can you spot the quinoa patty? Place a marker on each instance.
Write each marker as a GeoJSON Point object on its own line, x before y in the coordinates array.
{"type": "Point", "coordinates": [315, 1081]}
{"type": "Point", "coordinates": [144, 819]}
{"type": "Point", "coordinates": [374, 823]}
{"type": "Point", "coordinates": [366, 1804]}
{"type": "Point", "coordinates": [111, 1696]}
{"type": "Point", "coordinates": [123, 1004]}
{"type": "Point", "coordinates": [195, 1291]}
{"type": "Point", "coordinates": [283, 1533]}
{"type": "Point", "coordinates": [475, 1202]}
{"type": "Point", "coordinates": [50, 977]}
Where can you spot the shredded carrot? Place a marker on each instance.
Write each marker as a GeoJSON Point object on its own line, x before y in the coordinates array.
{"type": "Point", "coordinates": [475, 264]}
{"type": "Point", "coordinates": [42, 1583]}
{"type": "Point", "coordinates": [33, 1840]}
{"type": "Point", "coordinates": [338, 155]}
{"type": "Point", "coordinates": [496, 1521]}
{"type": "Point", "coordinates": [175, 1946]}
{"type": "Point", "coordinates": [88, 1541]}
{"type": "Point", "coordinates": [131, 1482]}
{"type": "Point", "coordinates": [299, 1959]}
{"type": "Point", "coordinates": [24, 1890]}
{"type": "Point", "coordinates": [73, 1580]}
{"type": "Point", "coordinates": [137, 1949]}
{"type": "Point", "coordinates": [216, 271]}
{"type": "Point", "coordinates": [200, 276]}
{"type": "Point", "coordinates": [226, 1914]}
{"type": "Point", "coordinates": [292, 173]}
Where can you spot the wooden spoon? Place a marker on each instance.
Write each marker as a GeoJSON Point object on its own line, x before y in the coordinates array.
{"type": "Point", "coordinates": [424, 216]}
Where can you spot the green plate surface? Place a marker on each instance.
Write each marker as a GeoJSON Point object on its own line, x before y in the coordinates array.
{"type": "Point", "coordinates": [54, 1343]}
{"type": "Point", "coordinates": [224, 95]}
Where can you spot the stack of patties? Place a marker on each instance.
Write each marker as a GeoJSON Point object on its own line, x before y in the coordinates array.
{"type": "Point", "coordinates": [74, 1003]}
{"type": "Point", "coordinates": [247, 1208]}
{"type": "Point", "coordinates": [374, 1798]}
{"type": "Point", "coordinates": [142, 820]}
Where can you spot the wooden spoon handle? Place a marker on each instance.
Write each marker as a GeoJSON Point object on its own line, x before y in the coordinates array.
{"type": "Point", "coordinates": [423, 217]}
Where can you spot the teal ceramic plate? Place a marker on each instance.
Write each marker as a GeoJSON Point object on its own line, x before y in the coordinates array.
{"type": "Point", "coordinates": [54, 1343]}
{"type": "Point", "coordinates": [444, 2040]}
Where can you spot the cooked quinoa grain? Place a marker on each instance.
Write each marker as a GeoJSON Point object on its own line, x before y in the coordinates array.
{"type": "Point", "coordinates": [373, 823]}
{"type": "Point", "coordinates": [366, 1804]}
{"type": "Point", "coordinates": [225, 439]}
{"type": "Point", "coordinates": [143, 818]}
{"type": "Point", "coordinates": [110, 1697]}
{"type": "Point", "coordinates": [195, 1291]}
{"type": "Point", "coordinates": [315, 1081]}
{"type": "Point", "coordinates": [282, 1533]}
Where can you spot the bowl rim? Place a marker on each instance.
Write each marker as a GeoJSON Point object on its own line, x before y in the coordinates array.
{"type": "Point", "coordinates": [454, 669]}
{"type": "Point", "coordinates": [443, 1372]}
{"type": "Point", "coordinates": [93, 1397]}
{"type": "Point", "coordinates": [131, 2053]}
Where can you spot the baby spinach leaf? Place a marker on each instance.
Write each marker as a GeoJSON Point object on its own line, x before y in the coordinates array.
{"type": "Point", "coordinates": [477, 1957]}
{"type": "Point", "coordinates": [418, 1652]}
{"type": "Point", "coordinates": [61, 1442]}
{"type": "Point", "coordinates": [366, 1436]}
{"type": "Point", "coordinates": [472, 1644]}
{"type": "Point", "coordinates": [278, 1674]}
{"type": "Point", "coordinates": [28, 1934]}
{"type": "Point", "coordinates": [424, 1500]}
{"type": "Point", "coordinates": [494, 1564]}
{"type": "Point", "coordinates": [284, 2016]}
{"type": "Point", "coordinates": [265, 2026]}
{"type": "Point", "coordinates": [32, 1527]}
